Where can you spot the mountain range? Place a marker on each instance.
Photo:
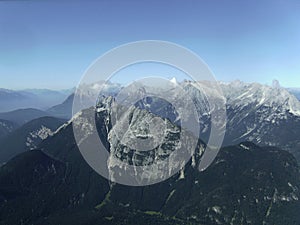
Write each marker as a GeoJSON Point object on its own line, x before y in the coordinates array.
{"type": "Point", "coordinates": [31, 98]}
{"type": "Point", "coordinates": [253, 180]}
{"type": "Point", "coordinates": [255, 112]}
{"type": "Point", "coordinates": [246, 184]}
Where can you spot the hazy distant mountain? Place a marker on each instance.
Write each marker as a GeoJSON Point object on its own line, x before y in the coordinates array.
{"type": "Point", "coordinates": [246, 184]}
{"type": "Point", "coordinates": [31, 98]}
{"type": "Point", "coordinates": [87, 92]}
{"type": "Point", "coordinates": [295, 91]}
{"type": "Point", "coordinates": [28, 136]}
{"type": "Point", "coordinates": [50, 97]}
{"type": "Point", "coordinates": [22, 116]}
{"type": "Point", "coordinates": [11, 100]}
{"type": "Point", "coordinates": [63, 110]}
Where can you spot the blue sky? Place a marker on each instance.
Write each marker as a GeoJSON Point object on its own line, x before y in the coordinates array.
{"type": "Point", "coordinates": [49, 44]}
